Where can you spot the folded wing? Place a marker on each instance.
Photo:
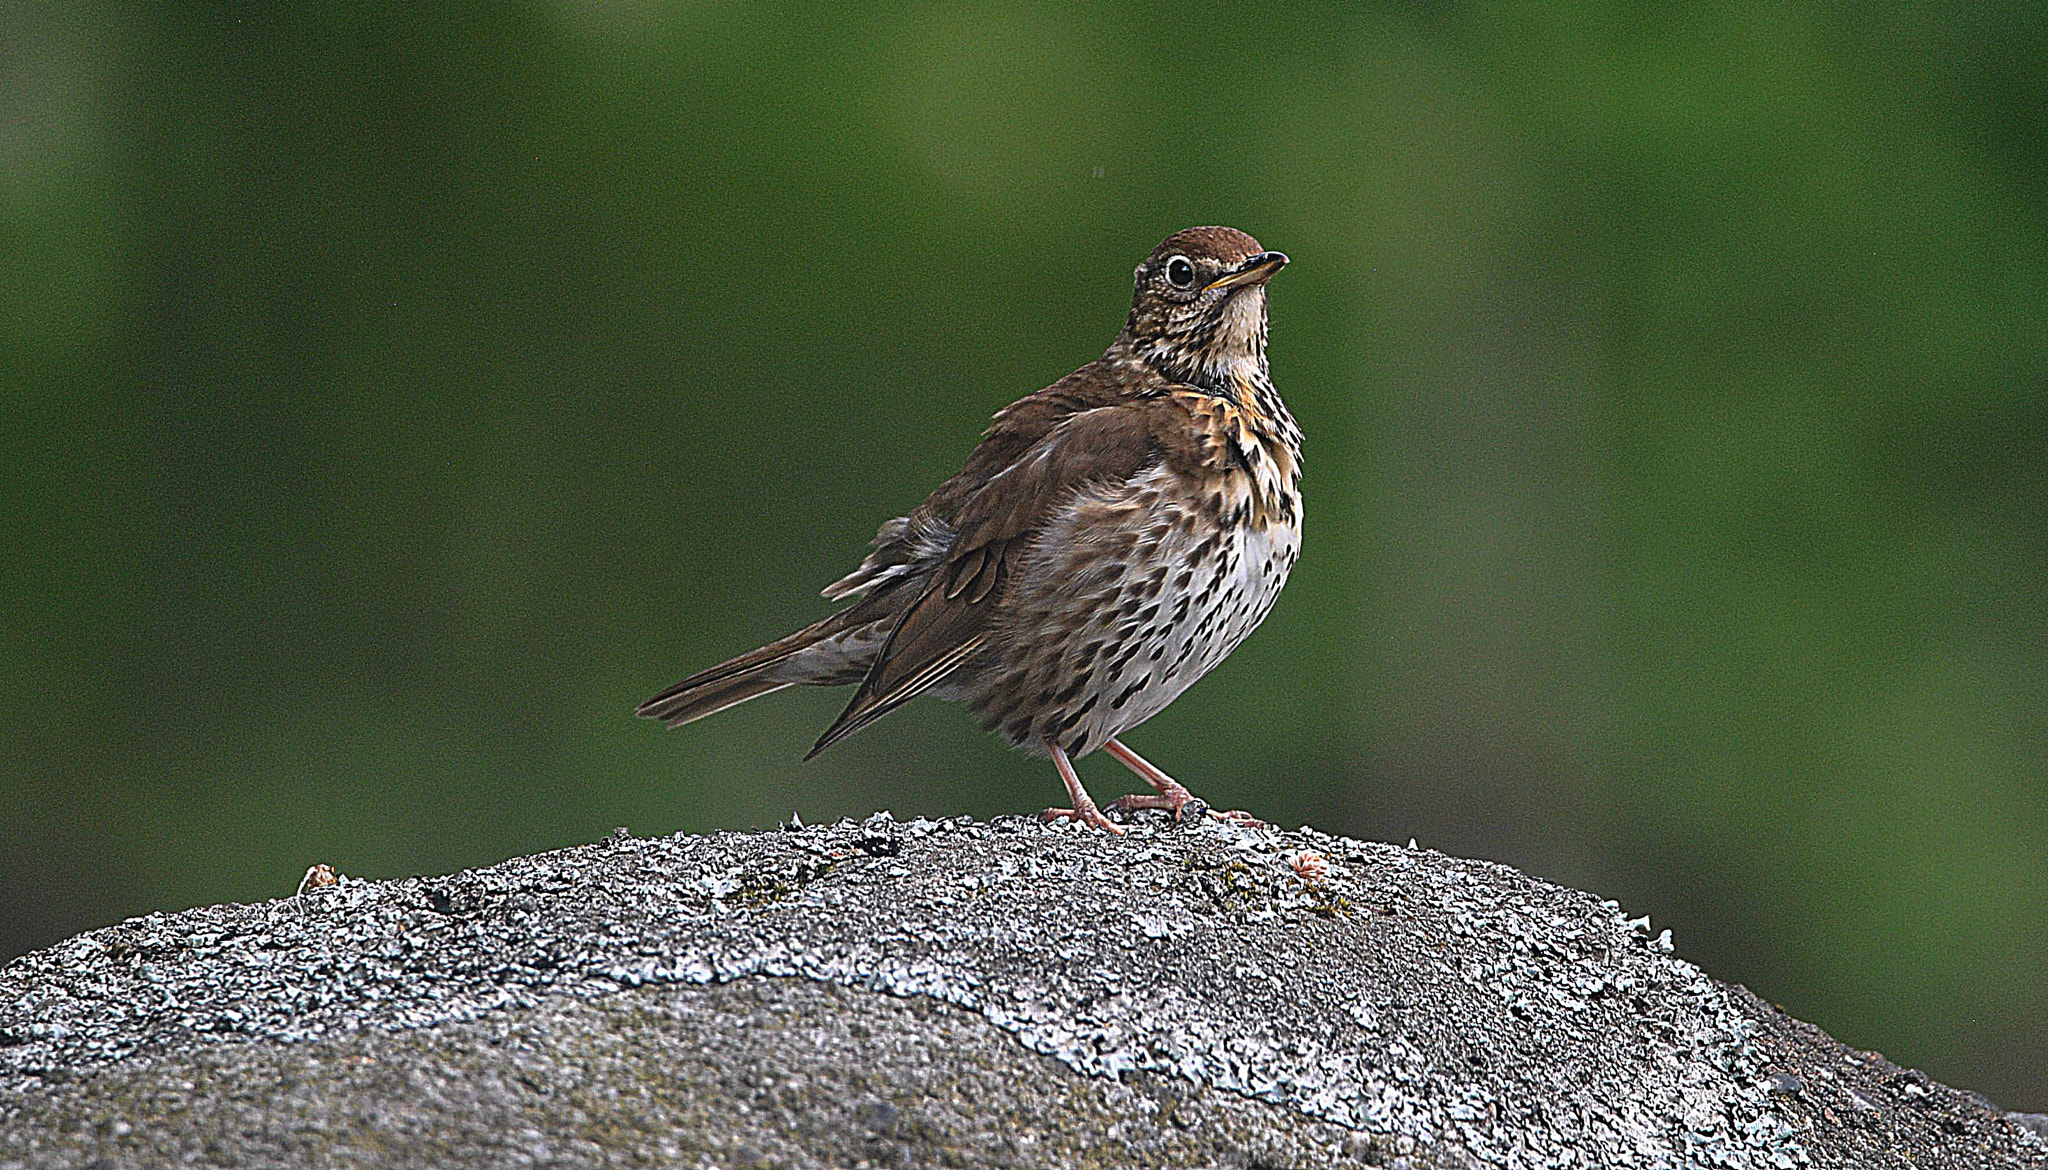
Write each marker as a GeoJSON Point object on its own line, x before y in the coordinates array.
{"type": "Point", "coordinates": [994, 527]}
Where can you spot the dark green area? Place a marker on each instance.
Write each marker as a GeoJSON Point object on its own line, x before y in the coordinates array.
{"type": "Point", "coordinates": [392, 398]}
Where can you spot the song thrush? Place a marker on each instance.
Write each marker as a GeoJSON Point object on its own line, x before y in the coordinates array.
{"type": "Point", "coordinates": [1111, 539]}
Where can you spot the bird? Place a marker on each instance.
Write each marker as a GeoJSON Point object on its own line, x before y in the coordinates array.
{"type": "Point", "coordinates": [1110, 539]}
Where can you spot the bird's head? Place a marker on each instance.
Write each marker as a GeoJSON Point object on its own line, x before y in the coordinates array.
{"type": "Point", "coordinates": [1199, 309]}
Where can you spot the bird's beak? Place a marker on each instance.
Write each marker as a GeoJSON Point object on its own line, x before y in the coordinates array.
{"type": "Point", "coordinates": [1257, 270]}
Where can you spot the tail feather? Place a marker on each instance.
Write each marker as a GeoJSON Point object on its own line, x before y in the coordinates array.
{"type": "Point", "coordinates": [688, 706]}
{"type": "Point", "coordinates": [749, 676]}
{"type": "Point", "coordinates": [866, 707]}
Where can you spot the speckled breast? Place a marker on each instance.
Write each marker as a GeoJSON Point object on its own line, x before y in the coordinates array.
{"type": "Point", "coordinates": [1133, 594]}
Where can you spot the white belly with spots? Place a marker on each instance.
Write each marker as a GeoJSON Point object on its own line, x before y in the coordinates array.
{"type": "Point", "coordinates": [1226, 598]}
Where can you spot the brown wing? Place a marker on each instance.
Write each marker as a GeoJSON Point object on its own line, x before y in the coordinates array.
{"type": "Point", "coordinates": [993, 528]}
{"type": "Point", "coordinates": [903, 544]}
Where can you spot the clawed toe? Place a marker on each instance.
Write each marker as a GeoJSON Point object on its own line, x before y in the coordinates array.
{"type": "Point", "coordinates": [1084, 809]}
{"type": "Point", "coordinates": [1180, 805]}
{"type": "Point", "coordinates": [1172, 795]}
{"type": "Point", "coordinates": [1168, 794]}
{"type": "Point", "coordinates": [1135, 802]}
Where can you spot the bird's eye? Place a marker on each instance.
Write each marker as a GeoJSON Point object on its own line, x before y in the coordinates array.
{"type": "Point", "coordinates": [1180, 272]}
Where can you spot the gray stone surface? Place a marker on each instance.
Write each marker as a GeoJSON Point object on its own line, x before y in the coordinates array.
{"type": "Point", "coordinates": [890, 994]}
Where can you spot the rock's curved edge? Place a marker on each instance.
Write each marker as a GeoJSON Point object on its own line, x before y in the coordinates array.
{"type": "Point", "coordinates": [728, 891]}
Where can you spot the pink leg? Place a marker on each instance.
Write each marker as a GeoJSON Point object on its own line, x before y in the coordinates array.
{"type": "Point", "coordinates": [1173, 795]}
{"type": "Point", "coordinates": [1084, 809]}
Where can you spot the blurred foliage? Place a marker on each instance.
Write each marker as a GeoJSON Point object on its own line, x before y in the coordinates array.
{"type": "Point", "coordinates": [394, 395]}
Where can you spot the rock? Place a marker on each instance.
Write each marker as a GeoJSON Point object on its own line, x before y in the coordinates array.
{"type": "Point", "coordinates": [941, 993]}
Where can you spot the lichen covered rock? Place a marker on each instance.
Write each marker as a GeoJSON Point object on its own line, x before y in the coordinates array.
{"type": "Point", "coordinates": [941, 993]}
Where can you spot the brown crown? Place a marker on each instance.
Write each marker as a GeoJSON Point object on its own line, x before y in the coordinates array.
{"type": "Point", "coordinates": [1226, 244]}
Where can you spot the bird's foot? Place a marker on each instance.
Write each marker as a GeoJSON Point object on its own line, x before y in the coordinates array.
{"type": "Point", "coordinates": [1087, 814]}
{"type": "Point", "coordinates": [1084, 809]}
{"type": "Point", "coordinates": [1173, 796]}
{"type": "Point", "coordinates": [1178, 801]}
{"type": "Point", "coordinates": [1174, 802]}
{"type": "Point", "coordinates": [1168, 793]}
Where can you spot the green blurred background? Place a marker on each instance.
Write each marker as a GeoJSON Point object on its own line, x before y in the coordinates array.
{"type": "Point", "coordinates": [394, 396]}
